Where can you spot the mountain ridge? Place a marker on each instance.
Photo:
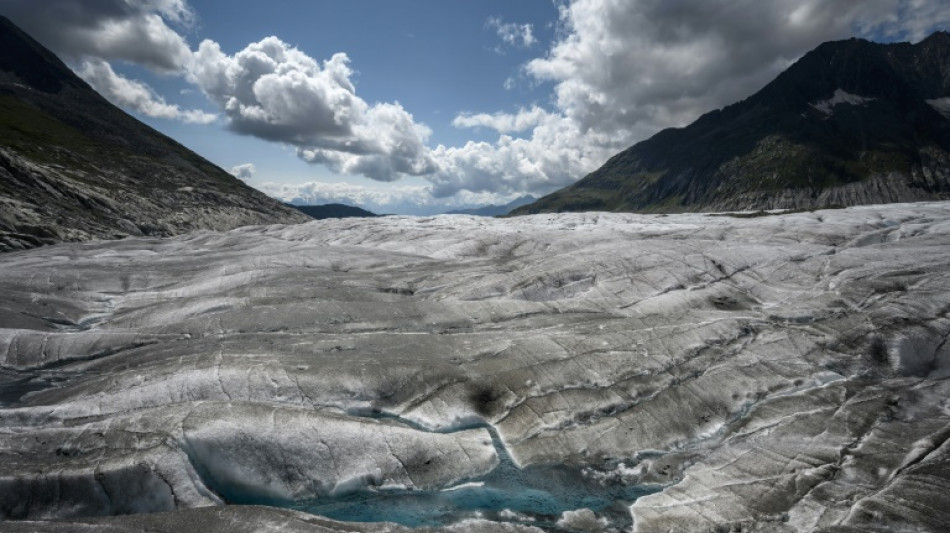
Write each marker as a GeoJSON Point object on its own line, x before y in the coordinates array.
{"type": "Point", "coordinates": [74, 167]}
{"type": "Point", "coordinates": [851, 122]}
{"type": "Point", "coordinates": [495, 210]}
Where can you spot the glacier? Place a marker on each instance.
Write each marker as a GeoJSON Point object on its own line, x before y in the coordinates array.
{"type": "Point", "coordinates": [567, 372]}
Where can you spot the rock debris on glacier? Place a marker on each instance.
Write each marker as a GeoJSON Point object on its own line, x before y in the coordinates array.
{"type": "Point", "coordinates": [773, 373]}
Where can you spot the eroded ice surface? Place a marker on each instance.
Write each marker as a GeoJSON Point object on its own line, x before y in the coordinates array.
{"type": "Point", "coordinates": [779, 373]}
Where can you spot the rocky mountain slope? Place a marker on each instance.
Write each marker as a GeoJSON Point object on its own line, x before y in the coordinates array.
{"type": "Point", "coordinates": [495, 210]}
{"type": "Point", "coordinates": [74, 167]}
{"type": "Point", "coordinates": [565, 373]}
{"type": "Point", "coordinates": [852, 122]}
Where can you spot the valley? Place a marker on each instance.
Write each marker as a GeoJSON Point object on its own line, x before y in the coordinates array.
{"type": "Point", "coordinates": [572, 372]}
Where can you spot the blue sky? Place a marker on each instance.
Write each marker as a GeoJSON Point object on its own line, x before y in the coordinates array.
{"type": "Point", "coordinates": [440, 59]}
{"type": "Point", "coordinates": [423, 106]}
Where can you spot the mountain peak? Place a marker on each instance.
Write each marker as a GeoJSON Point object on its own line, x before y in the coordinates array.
{"type": "Point", "coordinates": [938, 37]}
{"type": "Point", "coordinates": [75, 167]}
{"type": "Point", "coordinates": [851, 122]}
{"type": "Point", "coordinates": [27, 62]}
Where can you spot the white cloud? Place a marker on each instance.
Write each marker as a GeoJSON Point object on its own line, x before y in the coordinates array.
{"type": "Point", "coordinates": [639, 66]}
{"type": "Point", "coordinates": [244, 172]}
{"type": "Point", "coordinates": [274, 91]}
{"type": "Point", "coordinates": [553, 156]}
{"type": "Point", "coordinates": [503, 122]}
{"type": "Point", "coordinates": [512, 34]}
{"type": "Point", "coordinates": [135, 31]}
{"type": "Point", "coordinates": [620, 70]}
{"type": "Point", "coordinates": [624, 69]}
{"type": "Point", "coordinates": [90, 34]}
{"type": "Point", "coordinates": [396, 199]}
{"type": "Point", "coordinates": [318, 192]}
{"type": "Point", "coordinates": [136, 95]}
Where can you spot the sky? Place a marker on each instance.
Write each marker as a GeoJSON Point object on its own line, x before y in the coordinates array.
{"type": "Point", "coordinates": [422, 106]}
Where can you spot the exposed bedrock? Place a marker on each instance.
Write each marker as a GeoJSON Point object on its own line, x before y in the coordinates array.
{"type": "Point", "coordinates": [684, 372]}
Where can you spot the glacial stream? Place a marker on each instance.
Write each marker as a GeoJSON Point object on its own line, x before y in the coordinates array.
{"type": "Point", "coordinates": [535, 495]}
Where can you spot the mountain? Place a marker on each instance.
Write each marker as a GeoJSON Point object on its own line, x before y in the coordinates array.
{"type": "Point", "coordinates": [495, 210]}
{"type": "Point", "coordinates": [852, 122]}
{"type": "Point", "coordinates": [75, 167]}
{"type": "Point", "coordinates": [321, 212]}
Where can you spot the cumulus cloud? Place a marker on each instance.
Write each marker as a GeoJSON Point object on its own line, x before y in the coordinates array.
{"type": "Point", "coordinates": [138, 31]}
{"type": "Point", "coordinates": [639, 66]}
{"type": "Point", "coordinates": [244, 172]}
{"type": "Point", "coordinates": [136, 95]}
{"type": "Point", "coordinates": [503, 122]}
{"type": "Point", "coordinates": [512, 34]}
{"type": "Point", "coordinates": [91, 34]}
{"type": "Point", "coordinates": [318, 192]}
{"type": "Point", "coordinates": [274, 91]}
{"type": "Point", "coordinates": [554, 154]}
{"type": "Point", "coordinates": [620, 70]}
{"type": "Point", "coordinates": [394, 199]}
{"type": "Point", "coordinates": [624, 69]}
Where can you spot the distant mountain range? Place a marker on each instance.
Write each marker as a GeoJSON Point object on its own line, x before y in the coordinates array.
{"type": "Point", "coordinates": [495, 210]}
{"type": "Point", "coordinates": [324, 211]}
{"type": "Point", "coordinates": [75, 167]}
{"type": "Point", "coordinates": [852, 122]}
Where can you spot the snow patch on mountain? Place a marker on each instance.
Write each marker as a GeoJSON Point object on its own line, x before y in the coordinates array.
{"type": "Point", "coordinates": [840, 97]}
{"type": "Point", "coordinates": [942, 105]}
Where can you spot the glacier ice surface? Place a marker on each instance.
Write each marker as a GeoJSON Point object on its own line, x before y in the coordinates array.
{"type": "Point", "coordinates": [557, 372]}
